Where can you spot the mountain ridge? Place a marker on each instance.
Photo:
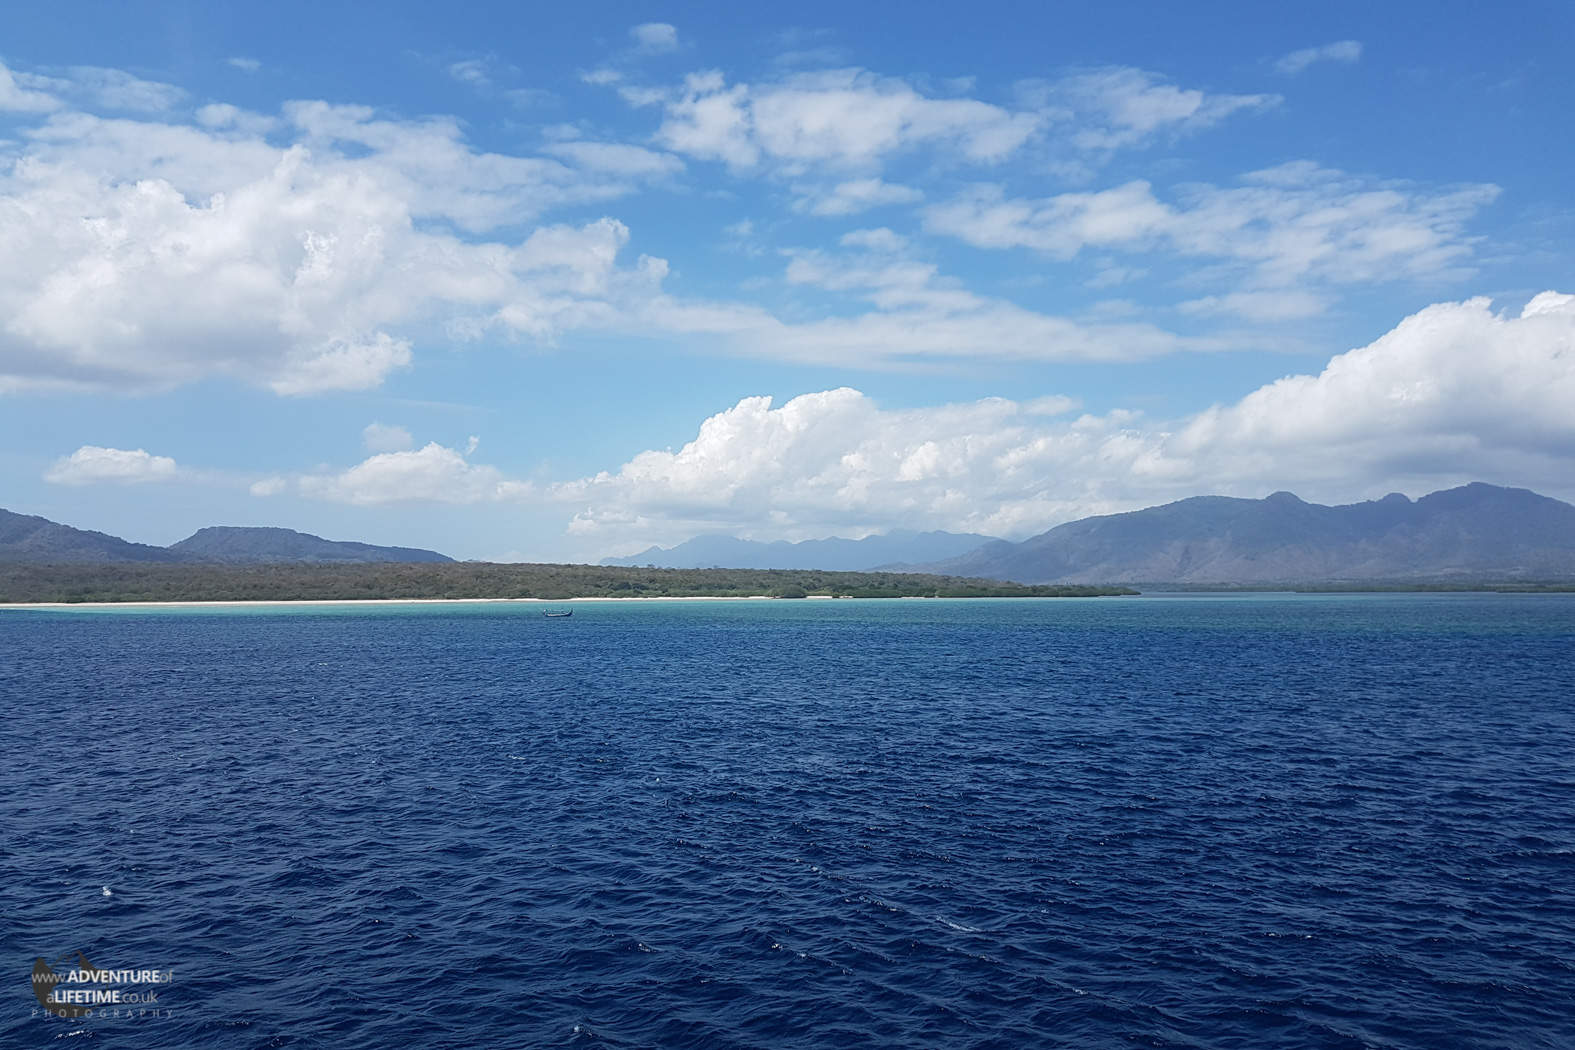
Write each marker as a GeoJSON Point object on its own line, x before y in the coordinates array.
{"type": "Point", "coordinates": [28, 538]}
{"type": "Point", "coordinates": [261, 544]}
{"type": "Point", "coordinates": [1473, 532]}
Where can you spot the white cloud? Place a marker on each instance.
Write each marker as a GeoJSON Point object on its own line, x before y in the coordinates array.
{"type": "Point", "coordinates": [217, 115]}
{"type": "Point", "coordinates": [386, 437]}
{"type": "Point", "coordinates": [1052, 405]}
{"type": "Point", "coordinates": [854, 196]}
{"type": "Point", "coordinates": [473, 71]}
{"type": "Point", "coordinates": [118, 90]}
{"type": "Point", "coordinates": [342, 364]}
{"type": "Point", "coordinates": [92, 87]}
{"type": "Point", "coordinates": [1454, 389]}
{"type": "Point", "coordinates": [617, 159]}
{"type": "Point", "coordinates": [321, 263]}
{"type": "Point", "coordinates": [1343, 51]}
{"type": "Point", "coordinates": [1283, 225]}
{"type": "Point", "coordinates": [1109, 109]}
{"type": "Point", "coordinates": [1111, 276]}
{"type": "Point", "coordinates": [841, 118]}
{"type": "Point", "coordinates": [269, 486]}
{"type": "Point", "coordinates": [655, 37]}
{"type": "Point", "coordinates": [14, 98]}
{"type": "Point", "coordinates": [325, 263]}
{"type": "Point", "coordinates": [918, 315]}
{"type": "Point", "coordinates": [431, 474]}
{"type": "Point", "coordinates": [835, 463]}
{"type": "Point", "coordinates": [92, 464]}
{"type": "Point", "coordinates": [313, 260]}
{"type": "Point", "coordinates": [245, 65]}
{"type": "Point", "coordinates": [1453, 393]}
{"type": "Point", "coordinates": [853, 120]}
{"type": "Point", "coordinates": [1060, 226]}
{"type": "Point", "coordinates": [1280, 305]}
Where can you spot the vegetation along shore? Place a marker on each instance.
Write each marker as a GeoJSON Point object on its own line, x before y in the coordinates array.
{"type": "Point", "coordinates": [21, 583]}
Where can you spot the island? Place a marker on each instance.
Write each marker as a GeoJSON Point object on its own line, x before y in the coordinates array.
{"type": "Point", "coordinates": [22, 583]}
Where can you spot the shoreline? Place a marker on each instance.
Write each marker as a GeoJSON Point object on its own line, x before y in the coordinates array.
{"type": "Point", "coordinates": [291, 604]}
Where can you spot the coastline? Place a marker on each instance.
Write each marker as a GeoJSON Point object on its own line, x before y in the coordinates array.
{"type": "Point", "coordinates": [294, 604]}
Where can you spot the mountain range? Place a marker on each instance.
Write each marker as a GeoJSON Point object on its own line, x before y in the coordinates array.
{"type": "Point", "coordinates": [1475, 532]}
{"type": "Point", "coordinates": [871, 552]}
{"type": "Point", "coordinates": [27, 538]}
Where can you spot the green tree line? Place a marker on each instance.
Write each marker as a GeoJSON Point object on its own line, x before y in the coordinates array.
{"type": "Point", "coordinates": [134, 582]}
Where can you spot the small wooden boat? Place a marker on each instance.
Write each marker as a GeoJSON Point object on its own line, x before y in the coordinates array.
{"type": "Point", "coordinates": [558, 615]}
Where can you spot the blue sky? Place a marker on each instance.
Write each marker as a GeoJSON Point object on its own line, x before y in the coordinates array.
{"type": "Point", "coordinates": [520, 283]}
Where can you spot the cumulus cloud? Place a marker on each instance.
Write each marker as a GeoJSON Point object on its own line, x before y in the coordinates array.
{"type": "Point", "coordinates": [92, 464]}
{"type": "Point", "coordinates": [1455, 389]}
{"type": "Point", "coordinates": [313, 260]}
{"type": "Point", "coordinates": [835, 462]}
{"type": "Point", "coordinates": [1342, 51]}
{"type": "Point", "coordinates": [431, 474]}
{"type": "Point", "coordinates": [1454, 393]}
{"type": "Point", "coordinates": [244, 64]}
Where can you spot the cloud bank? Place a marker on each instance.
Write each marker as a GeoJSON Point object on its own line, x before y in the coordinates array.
{"type": "Point", "coordinates": [1453, 393]}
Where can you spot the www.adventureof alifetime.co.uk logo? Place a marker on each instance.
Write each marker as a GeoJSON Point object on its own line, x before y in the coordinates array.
{"type": "Point", "coordinates": [85, 990]}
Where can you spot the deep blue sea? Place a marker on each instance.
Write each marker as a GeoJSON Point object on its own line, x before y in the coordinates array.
{"type": "Point", "coordinates": [1189, 821]}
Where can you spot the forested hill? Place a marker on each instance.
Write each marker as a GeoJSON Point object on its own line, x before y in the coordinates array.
{"type": "Point", "coordinates": [222, 543]}
{"type": "Point", "coordinates": [129, 582]}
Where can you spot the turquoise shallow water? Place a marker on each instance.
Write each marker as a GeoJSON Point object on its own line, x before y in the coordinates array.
{"type": "Point", "coordinates": [1189, 821]}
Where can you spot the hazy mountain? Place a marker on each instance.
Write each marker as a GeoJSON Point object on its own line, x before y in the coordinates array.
{"type": "Point", "coordinates": [1475, 532]}
{"type": "Point", "coordinates": [224, 543]}
{"type": "Point", "coordinates": [27, 538]}
{"type": "Point", "coordinates": [872, 552]}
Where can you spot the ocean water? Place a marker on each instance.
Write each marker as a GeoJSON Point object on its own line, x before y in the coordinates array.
{"type": "Point", "coordinates": [1192, 821]}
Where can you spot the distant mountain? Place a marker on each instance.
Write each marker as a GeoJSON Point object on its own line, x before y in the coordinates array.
{"type": "Point", "coordinates": [26, 538]}
{"type": "Point", "coordinates": [872, 552]}
{"type": "Point", "coordinates": [1476, 532]}
{"type": "Point", "coordinates": [224, 543]}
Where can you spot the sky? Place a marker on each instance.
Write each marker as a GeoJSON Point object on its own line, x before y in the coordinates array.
{"type": "Point", "coordinates": [527, 283]}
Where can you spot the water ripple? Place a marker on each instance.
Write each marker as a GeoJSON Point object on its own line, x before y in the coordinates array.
{"type": "Point", "coordinates": [1204, 822]}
